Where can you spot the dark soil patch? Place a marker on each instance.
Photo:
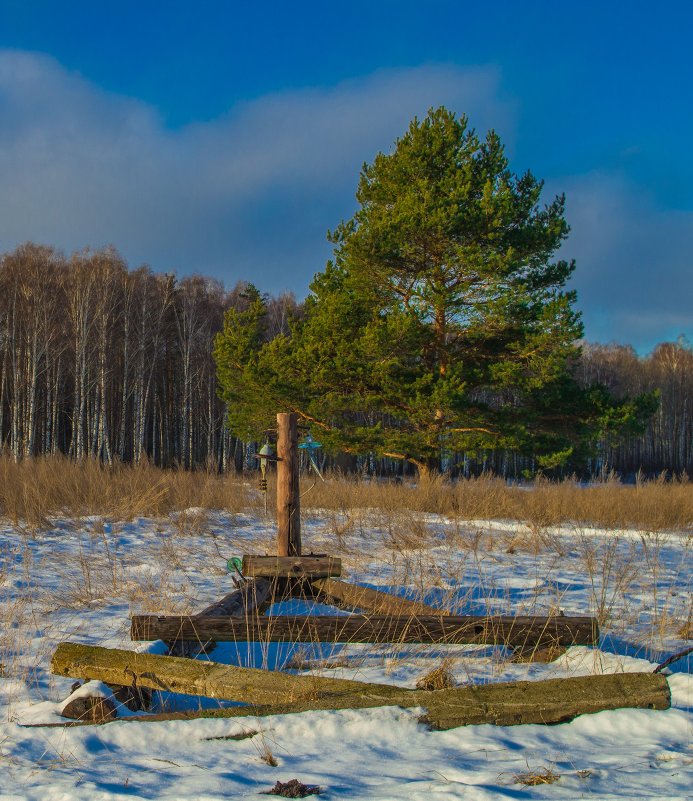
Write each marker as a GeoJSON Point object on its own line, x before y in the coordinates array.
{"type": "Point", "coordinates": [294, 789]}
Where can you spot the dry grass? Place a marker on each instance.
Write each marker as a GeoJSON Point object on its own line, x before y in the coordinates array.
{"type": "Point", "coordinates": [373, 524]}
{"type": "Point", "coordinates": [243, 734]}
{"type": "Point", "coordinates": [440, 678]}
{"type": "Point", "coordinates": [34, 490]}
{"type": "Point", "coordinates": [533, 778]}
{"type": "Point", "coordinates": [653, 506]}
{"type": "Point", "coordinates": [265, 751]}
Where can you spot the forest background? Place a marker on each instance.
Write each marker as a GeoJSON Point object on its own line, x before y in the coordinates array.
{"type": "Point", "coordinates": [100, 360]}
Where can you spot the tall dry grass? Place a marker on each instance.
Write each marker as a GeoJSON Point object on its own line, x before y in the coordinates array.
{"type": "Point", "coordinates": [34, 490]}
{"type": "Point", "coordinates": [379, 526]}
{"type": "Point", "coordinates": [649, 505]}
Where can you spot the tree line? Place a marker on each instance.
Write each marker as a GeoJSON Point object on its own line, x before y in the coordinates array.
{"type": "Point", "coordinates": [667, 443]}
{"type": "Point", "coordinates": [99, 360]}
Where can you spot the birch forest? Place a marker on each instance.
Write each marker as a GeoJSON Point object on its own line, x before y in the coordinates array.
{"type": "Point", "coordinates": [99, 360]}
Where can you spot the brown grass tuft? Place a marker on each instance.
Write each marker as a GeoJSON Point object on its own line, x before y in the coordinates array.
{"type": "Point", "coordinates": [533, 778]}
{"type": "Point", "coordinates": [266, 754]}
{"type": "Point", "coordinates": [440, 678]}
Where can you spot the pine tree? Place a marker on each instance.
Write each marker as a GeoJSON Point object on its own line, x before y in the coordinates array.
{"type": "Point", "coordinates": [443, 323]}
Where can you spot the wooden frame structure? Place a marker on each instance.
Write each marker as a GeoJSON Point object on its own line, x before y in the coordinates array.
{"type": "Point", "coordinates": [376, 617]}
{"type": "Point", "coordinates": [383, 618]}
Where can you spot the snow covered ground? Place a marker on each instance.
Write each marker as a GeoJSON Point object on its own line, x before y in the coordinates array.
{"type": "Point", "coordinates": [82, 579]}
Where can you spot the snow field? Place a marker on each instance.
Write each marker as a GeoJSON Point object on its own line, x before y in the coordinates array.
{"type": "Point", "coordinates": [82, 579]}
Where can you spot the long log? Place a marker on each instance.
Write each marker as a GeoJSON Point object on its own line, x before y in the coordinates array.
{"type": "Point", "coordinates": [356, 598]}
{"type": "Point", "coordinates": [297, 567]}
{"type": "Point", "coordinates": [516, 632]}
{"type": "Point", "coordinates": [194, 677]}
{"type": "Point", "coordinates": [550, 701]}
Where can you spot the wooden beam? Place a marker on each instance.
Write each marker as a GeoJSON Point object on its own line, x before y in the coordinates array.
{"type": "Point", "coordinates": [288, 493]}
{"type": "Point", "coordinates": [352, 597]}
{"type": "Point", "coordinates": [298, 567]}
{"type": "Point", "coordinates": [550, 701]}
{"type": "Point", "coordinates": [516, 632]}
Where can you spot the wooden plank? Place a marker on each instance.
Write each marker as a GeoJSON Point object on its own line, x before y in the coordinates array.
{"type": "Point", "coordinates": [516, 632]}
{"type": "Point", "coordinates": [288, 492]}
{"type": "Point", "coordinates": [353, 596]}
{"type": "Point", "coordinates": [297, 567]}
{"type": "Point", "coordinates": [550, 701]}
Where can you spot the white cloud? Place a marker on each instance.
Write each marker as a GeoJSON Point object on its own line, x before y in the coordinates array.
{"type": "Point", "coordinates": [248, 195]}
{"type": "Point", "coordinates": [251, 194]}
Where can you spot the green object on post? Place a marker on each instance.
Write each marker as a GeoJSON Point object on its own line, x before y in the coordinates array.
{"type": "Point", "coordinates": [234, 565]}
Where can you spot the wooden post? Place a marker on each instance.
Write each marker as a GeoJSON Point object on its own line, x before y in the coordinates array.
{"type": "Point", "coordinates": [288, 497]}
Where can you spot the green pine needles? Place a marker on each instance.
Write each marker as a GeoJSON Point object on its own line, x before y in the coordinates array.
{"type": "Point", "coordinates": [441, 326]}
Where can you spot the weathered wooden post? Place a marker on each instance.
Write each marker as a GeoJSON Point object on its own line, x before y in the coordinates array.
{"type": "Point", "coordinates": [288, 493]}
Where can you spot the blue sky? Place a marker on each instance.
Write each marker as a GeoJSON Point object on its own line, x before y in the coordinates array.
{"type": "Point", "coordinates": [226, 138]}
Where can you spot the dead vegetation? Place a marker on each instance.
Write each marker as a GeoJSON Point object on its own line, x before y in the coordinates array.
{"type": "Point", "coordinates": [34, 490]}
{"type": "Point", "coordinates": [294, 789]}
{"type": "Point", "coordinates": [383, 528]}
{"type": "Point", "coordinates": [265, 753]}
{"type": "Point", "coordinates": [650, 505]}
{"type": "Point", "coordinates": [244, 734]}
{"type": "Point", "coordinates": [439, 678]}
{"type": "Point", "coordinates": [533, 778]}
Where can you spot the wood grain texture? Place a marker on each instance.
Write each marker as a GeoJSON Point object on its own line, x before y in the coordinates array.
{"type": "Point", "coordinates": [288, 492]}
{"type": "Point", "coordinates": [196, 677]}
{"type": "Point", "coordinates": [254, 596]}
{"type": "Point", "coordinates": [516, 632]}
{"type": "Point", "coordinates": [298, 567]}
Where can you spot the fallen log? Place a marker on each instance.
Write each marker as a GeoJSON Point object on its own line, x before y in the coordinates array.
{"type": "Point", "coordinates": [522, 632]}
{"type": "Point", "coordinates": [270, 693]}
{"type": "Point", "coordinates": [544, 702]}
{"type": "Point", "coordinates": [194, 677]}
{"type": "Point", "coordinates": [352, 597]}
{"type": "Point", "coordinates": [303, 567]}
